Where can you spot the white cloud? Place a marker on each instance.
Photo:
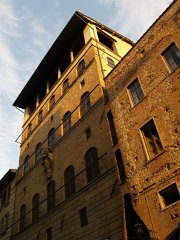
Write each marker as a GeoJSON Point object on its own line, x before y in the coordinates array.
{"type": "Point", "coordinates": [133, 18]}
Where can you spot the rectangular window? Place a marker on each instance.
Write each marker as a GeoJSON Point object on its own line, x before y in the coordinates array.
{"type": "Point", "coordinates": [83, 217]}
{"type": "Point", "coordinates": [110, 62]}
{"type": "Point", "coordinates": [169, 195]}
{"type": "Point", "coordinates": [49, 233]}
{"type": "Point", "coordinates": [136, 92]}
{"type": "Point", "coordinates": [88, 132]}
{"type": "Point", "coordinates": [151, 138]}
{"type": "Point", "coordinates": [120, 165]}
{"type": "Point", "coordinates": [112, 128]}
{"type": "Point", "coordinates": [172, 56]}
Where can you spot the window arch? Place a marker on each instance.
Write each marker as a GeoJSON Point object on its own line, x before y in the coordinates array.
{"type": "Point", "coordinates": [81, 67]}
{"type": "Point", "coordinates": [67, 122]}
{"type": "Point", "coordinates": [92, 164]}
{"type": "Point", "coordinates": [26, 164]}
{"type": "Point", "coordinates": [69, 181]}
{"type": "Point", "coordinates": [22, 222]}
{"type": "Point", "coordinates": [51, 138]}
{"type": "Point", "coordinates": [65, 85]}
{"type": "Point", "coordinates": [51, 195]}
{"type": "Point", "coordinates": [52, 102]}
{"type": "Point", "coordinates": [38, 152]}
{"type": "Point", "coordinates": [35, 207]}
{"type": "Point", "coordinates": [85, 103]}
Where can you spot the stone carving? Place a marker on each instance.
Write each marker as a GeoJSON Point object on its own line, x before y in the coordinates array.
{"type": "Point", "coordinates": [47, 162]}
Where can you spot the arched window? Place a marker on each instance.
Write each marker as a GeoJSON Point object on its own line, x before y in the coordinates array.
{"type": "Point", "coordinates": [22, 222]}
{"type": "Point", "coordinates": [26, 164]}
{"type": "Point", "coordinates": [51, 195]}
{"type": "Point", "coordinates": [51, 138]}
{"type": "Point", "coordinates": [67, 122]}
{"type": "Point", "coordinates": [38, 152]}
{"type": "Point", "coordinates": [65, 85]}
{"type": "Point", "coordinates": [40, 116]}
{"type": "Point", "coordinates": [92, 164]}
{"type": "Point", "coordinates": [85, 104]}
{"type": "Point", "coordinates": [35, 207]}
{"type": "Point", "coordinates": [52, 102]}
{"type": "Point", "coordinates": [69, 181]}
{"type": "Point", "coordinates": [110, 62]}
{"type": "Point", "coordinates": [81, 67]}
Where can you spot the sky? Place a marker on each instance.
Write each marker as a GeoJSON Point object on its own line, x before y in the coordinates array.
{"type": "Point", "coordinates": [28, 28]}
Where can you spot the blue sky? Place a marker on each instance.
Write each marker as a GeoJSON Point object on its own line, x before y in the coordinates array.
{"type": "Point", "coordinates": [27, 30]}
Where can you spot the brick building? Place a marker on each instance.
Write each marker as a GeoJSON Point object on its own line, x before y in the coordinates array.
{"type": "Point", "coordinates": [7, 197]}
{"type": "Point", "coordinates": [67, 184]}
{"type": "Point", "coordinates": [143, 92]}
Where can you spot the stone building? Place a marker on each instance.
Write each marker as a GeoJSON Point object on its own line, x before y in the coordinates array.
{"type": "Point", "coordinates": [67, 185]}
{"type": "Point", "coordinates": [7, 197]}
{"type": "Point", "coordinates": [143, 92]}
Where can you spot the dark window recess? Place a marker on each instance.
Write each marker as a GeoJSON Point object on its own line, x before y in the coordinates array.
{"type": "Point", "coordinates": [32, 105]}
{"type": "Point", "coordinates": [151, 138]}
{"type": "Point", "coordinates": [65, 85]}
{"type": "Point", "coordinates": [81, 67]}
{"type": "Point", "coordinates": [136, 91]}
{"type": "Point", "coordinates": [105, 40]}
{"type": "Point", "coordinates": [40, 116]}
{"type": "Point", "coordinates": [51, 195]}
{"type": "Point", "coordinates": [92, 164]}
{"type": "Point", "coordinates": [112, 128]}
{"type": "Point", "coordinates": [85, 103]}
{"type": "Point", "coordinates": [78, 44]}
{"type": "Point", "coordinates": [169, 195]}
{"type": "Point", "coordinates": [120, 165]}
{"type": "Point", "coordinates": [35, 207]}
{"type": "Point", "coordinates": [38, 152]}
{"type": "Point", "coordinates": [82, 83]}
{"type": "Point", "coordinates": [83, 217]}
{"type": "Point", "coordinates": [110, 62]}
{"type": "Point", "coordinates": [22, 222]}
{"type": "Point", "coordinates": [26, 164]}
{"type": "Point", "coordinates": [49, 234]}
{"type": "Point", "coordinates": [67, 122]}
{"type": "Point", "coordinates": [52, 102]}
{"type": "Point", "coordinates": [136, 229]}
{"type": "Point", "coordinates": [53, 79]}
{"type": "Point", "coordinates": [65, 61]}
{"type": "Point", "coordinates": [51, 138]}
{"type": "Point", "coordinates": [69, 181]}
{"type": "Point", "coordinates": [29, 128]}
{"type": "Point", "coordinates": [172, 56]}
{"type": "Point", "coordinates": [42, 92]}
{"type": "Point", "coordinates": [88, 132]}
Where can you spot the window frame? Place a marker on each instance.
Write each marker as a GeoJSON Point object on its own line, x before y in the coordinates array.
{"type": "Point", "coordinates": [85, 103]}
{"type": "Point", "coordinates": [22, 219]}
{"type": "Point", "coordinates": [144, 143]}
{"type": "Point", "coordinates": [110, 62]}
{"type": "Point", "coordinates": [168, 64]}
{"type": "Point", "coordinates": [51, 138]}
{"type": "Point", "coordinates": [91, 164]}
{"type": "Point", "coordinates": [130, 95]}
{"type": "Point", "coordinates": [52, 102]}
{"type": "Point", "coordinates": [82, 213]}
{"type": "Point", "coordinates": [161, 198]}
{"type": "Point", "coordinates": [81, 67]}
{"type": "Point", "coordinates": [35, 207]}
{"type": "Point", "coordinates": [65, 85]}
{"type": "Point", "coordinates": [66, 122]}
{"type": "Point", "coordinates": [69, 182]}
{"type": "Point", "coordinates": [26, 164]}
{"type": "Point", "coordinates": [51, 195]}
{"type": "Point", "coordinates": [38, 152]}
